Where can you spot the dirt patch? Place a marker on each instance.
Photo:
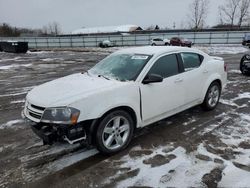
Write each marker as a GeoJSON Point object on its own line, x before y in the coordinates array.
{"type": "Point", "coordinates": [139, 153]}
{"type": "Point", "coordinates": [242, 166]}
{"type": "Point", "coordinates": [211, 179]}
{"type": "Point", "coordinates": [245, 144]}
{"type": "Point", "coordinates": [159, 160]}
{"type": "Point", "coordinates": [203, 157]}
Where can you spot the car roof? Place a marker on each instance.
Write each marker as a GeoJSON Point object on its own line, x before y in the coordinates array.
{"type": "Point", "coordinates": [157, 50]}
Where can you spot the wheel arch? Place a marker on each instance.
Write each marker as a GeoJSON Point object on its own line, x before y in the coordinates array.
{"type": "Point", "coordinates": [208, 85]}
{"type": "Point", "coordinates": [127, 109]}
{"type": "Point", "coordinates": [95, 123]}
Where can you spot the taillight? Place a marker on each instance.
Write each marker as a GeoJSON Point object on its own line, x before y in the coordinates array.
{"type": "Point", "coordinates": [225, 67]}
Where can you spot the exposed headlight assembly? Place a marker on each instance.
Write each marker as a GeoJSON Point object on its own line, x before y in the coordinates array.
{"type": "Point", "coordinates": [61, 115]}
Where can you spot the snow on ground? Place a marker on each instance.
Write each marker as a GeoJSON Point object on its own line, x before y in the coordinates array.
{"type": "Point", "coordinates": [51, 165]}
{"type": "Point", "coordinates": [184, 169]}
{"type": "Point", "coordinates": [52, 59]}
{"type": "Point", "coordinates": [11, 124]}
{"type": "Point", "coordinates": [13, 94]}
{"type": "Point", "coordinates": [12, 59]}
{"type": "Point", "coordinates": [222, 49]}
{"type": "Point", "coordinates": [14, 66]}
{"type": "Point", "coordinates": [17, 101]}
{"type": "Point", "coordinates": [39, 52]}
{"type": "Point", "coordinates": [71, 159]}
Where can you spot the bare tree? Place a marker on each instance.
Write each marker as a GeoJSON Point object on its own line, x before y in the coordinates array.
{"type": "Point", "coordinates": [45, 30]}
{"type": "Point", "coordinates": [199, 9]}
{"type": "Point", "coordinates": [229, 11]}
{"type": "Point", "coordinates": [52, 28]}
{"type": "Point", "coordinates": [243, 11]}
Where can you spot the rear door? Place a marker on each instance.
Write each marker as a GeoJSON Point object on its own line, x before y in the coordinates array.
{"type": "Point", "coordinates": [194, 76]}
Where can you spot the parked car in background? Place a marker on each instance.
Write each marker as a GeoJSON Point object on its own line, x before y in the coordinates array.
{"type": "Point", "coordinates": [106, 44]}
{"type": "Point", "coordinates": [129, 89]}
{"type": "Point", "coordinates": [178, 41]}
{"type": "Point", "coordinates": [246, 40]}
{"type": "Point", "coordinates": [160, 42]}
{"type": "Point", "coordinates": [245, 65]}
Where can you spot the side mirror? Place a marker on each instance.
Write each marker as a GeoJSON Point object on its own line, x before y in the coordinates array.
{"type": "Point", "coordinates": [152, 78]}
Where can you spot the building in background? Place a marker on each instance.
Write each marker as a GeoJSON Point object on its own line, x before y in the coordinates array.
{"type": "Point", "coordinates": [107, 29]}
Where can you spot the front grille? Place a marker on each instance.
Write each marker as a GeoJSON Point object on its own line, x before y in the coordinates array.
{"type": "Point", "coordinates": [35, 111]}
{"type": "Point", "coordinates": [37, 107]}
{"type": "Point", "coordinates": [35, 115]}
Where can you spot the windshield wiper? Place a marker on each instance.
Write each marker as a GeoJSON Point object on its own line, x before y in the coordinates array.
{"type": "Point", "coordinates": [103, 77]}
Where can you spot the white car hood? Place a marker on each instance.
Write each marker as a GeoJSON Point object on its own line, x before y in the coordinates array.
{"type": "Point", "coordinates": [66, 90]}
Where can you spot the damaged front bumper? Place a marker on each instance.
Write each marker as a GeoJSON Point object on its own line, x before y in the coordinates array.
{"type": "Point", "coordinates": [51, 133]}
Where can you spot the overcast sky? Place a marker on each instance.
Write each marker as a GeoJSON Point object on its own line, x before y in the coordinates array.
{"type": "Point", "coordinates": [75, 14]}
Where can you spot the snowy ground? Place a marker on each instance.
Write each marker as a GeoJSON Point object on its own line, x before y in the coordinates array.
{"type": "Point", "coordinates": [193, 148]}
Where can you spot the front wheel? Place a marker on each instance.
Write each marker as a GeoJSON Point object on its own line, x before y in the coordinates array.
{"type": "Point", "coordinates": [114, 132]}
{"type": "Point", "coordinates": [212, 96]}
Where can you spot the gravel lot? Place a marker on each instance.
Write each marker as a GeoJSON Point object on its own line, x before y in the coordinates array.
{"type": "Point", "coordinates": [193, 148]}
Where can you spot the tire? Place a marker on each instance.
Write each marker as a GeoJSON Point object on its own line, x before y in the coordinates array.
{"type": "Point", "coordinates": [166, 44]}
{"type": "Point", "coordinates": [115, 127]}
{"type": "Point", "coordinates": [212, 97]}
{"type": "Point", "coordinates": [153, 44]}
{"type": "Point", "coordinates": [242, 65]}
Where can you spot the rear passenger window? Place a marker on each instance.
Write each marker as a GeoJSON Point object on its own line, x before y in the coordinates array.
{"type": "Point", "coordinates": [191, 60]}
{"type": "Point", "coordinates": [165, 66]}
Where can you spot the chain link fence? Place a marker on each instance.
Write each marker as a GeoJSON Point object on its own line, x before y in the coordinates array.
{"type": "Point", "coordinates": [126, 39]}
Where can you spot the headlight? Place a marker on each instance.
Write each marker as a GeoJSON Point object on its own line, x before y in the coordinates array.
{"type": "Point", "coordinates": [63, 115]}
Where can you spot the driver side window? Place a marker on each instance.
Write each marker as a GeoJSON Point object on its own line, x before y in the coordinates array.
{"type": "Point", "coordinates": [165, 66]}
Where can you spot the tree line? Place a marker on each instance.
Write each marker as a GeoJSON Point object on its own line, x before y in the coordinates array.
{"type": "Point", "coordinates": [51, 29]}
{"type": "Point", "coordinates": [231, 14]}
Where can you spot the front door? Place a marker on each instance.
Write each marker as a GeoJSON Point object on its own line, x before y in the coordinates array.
{"type": "Point", "coordinates": [159, 99]}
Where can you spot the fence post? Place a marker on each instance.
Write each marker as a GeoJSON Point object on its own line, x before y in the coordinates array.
{"type": "Point", "coordinates": [122, 40]}
{"type": "Point", "coordinates": [71, 42]}
{"type": "Point", "coordinates": [60, 42]}
{"type": "Point", "coordinates": [35, 42]}
{"type": "Point", "coordinates": [83, 43]}
{"type": "Point", "coordinates": [47, 42]}
{"type": "Point", "coordinates": [194, 37]}
{"type": "Point", "coordinates": [227, 37]}
{"type": "Point", "coordinates": [210, 38]}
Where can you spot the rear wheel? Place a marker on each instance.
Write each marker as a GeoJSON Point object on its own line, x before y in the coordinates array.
{"type": "Point", "coordinates": [212, 96]}
{"type": "Point", "coordinates": [114, 132]}
{"type": "Point", "coordinates": [153, 44]}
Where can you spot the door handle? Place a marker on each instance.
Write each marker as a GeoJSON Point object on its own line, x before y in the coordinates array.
{"type": "Point", "coordinates": [178, 80]}
{"type": "Point", "coordinates": [205, 71]}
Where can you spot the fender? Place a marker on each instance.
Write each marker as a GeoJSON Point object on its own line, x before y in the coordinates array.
{"type": "Point", "coordinates": [212, 78]}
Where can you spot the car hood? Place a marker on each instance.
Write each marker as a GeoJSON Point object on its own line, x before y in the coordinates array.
{"type": "Point", "coordinates": [66, 90]}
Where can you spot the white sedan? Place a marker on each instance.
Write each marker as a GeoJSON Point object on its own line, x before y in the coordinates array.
{"type": "Point", "coordinates": [129, 89]}
{"type": "Point", "coordinates": [160, 42]}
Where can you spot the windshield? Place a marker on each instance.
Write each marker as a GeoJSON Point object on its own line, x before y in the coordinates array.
{"type": "Point", "coordinates": [123, 67]}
